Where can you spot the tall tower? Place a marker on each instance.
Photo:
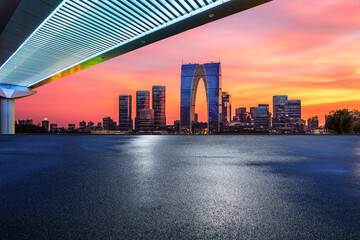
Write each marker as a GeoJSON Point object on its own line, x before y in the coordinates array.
{"type": "Point", "coordinates": [125, 113]}
{"type": "Point", "coordinates": [158, 105]}
{"type": "Point", "coordinates": [45, 124]}
{"type": "Point", "coordinates": [142, 102]}
{"type": "Point", "coordinates": [261, 117]}
{"type": "Point", "coordinates": [293, 114]}
{"type": "Point", "coordinates": [226, 107]}
{"type": "Point", "coordinates": [191, 74]}
{"type": "Point", "coordinates": [279, 111]}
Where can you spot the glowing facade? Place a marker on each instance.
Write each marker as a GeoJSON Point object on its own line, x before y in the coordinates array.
{"type": "Point", "coordinates": [191, 74]}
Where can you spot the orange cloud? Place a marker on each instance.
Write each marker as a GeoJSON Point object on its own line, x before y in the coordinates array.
{"type": "Point", "coordinates": [308, 53]}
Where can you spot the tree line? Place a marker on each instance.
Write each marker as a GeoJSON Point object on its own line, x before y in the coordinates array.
{"type": "Point", "coordinates": [342, 121]}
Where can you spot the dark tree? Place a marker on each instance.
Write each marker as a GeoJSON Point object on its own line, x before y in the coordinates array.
{"type": "Point", "coordinates": [339, 121]}
{"type": "Point", "coordinates": [356, 126]}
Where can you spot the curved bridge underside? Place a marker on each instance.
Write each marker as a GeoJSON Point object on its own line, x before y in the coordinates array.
{"type": "Point", "coordinates": [45, 40]}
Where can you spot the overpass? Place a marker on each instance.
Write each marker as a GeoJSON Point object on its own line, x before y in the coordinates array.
{"type": "Point", "coordinates": [45, 40]}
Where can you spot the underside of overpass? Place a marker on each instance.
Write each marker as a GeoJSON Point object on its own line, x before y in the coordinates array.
{"type": "Point", "coordinates": [45, 40]}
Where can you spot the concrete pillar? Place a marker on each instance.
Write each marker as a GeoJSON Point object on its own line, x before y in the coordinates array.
{"type": "Point", "coordinates": [7, 116]}
{"type": "Point", "coordinates": [8, 94]}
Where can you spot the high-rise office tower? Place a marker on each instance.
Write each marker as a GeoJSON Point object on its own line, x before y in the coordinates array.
{"type": "Point", "coordinates": [226, 107]}
{"type": "Point", "coordinates": [142, 102]}
{"type": "Point", "coordinates": [125, 113]}
{"type": "Point", "coordinates": [158, 105]}
{"type": "Point", "coordinates": [146, 119]}
{"type": "Point", "coordinates": [261, 118]}
{"type": "Point", "coordinates": [293, 109]}
{"type": "Point", "coordinates": [293, 114]}
{"type": "Point", "coordinates": [279, 111]}
{"type": "Point", "coordinates": [269, 113]}
{"type": "Point", "coordinates": [45, 124]}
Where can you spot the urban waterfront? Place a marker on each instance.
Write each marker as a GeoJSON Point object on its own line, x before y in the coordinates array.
{"type": "Point", "coordinates": [179, 187]}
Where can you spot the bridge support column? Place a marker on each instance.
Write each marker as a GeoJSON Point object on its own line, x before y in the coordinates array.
{"type": "Point", "coordinates": [8, 94]}
{"type": "Point", "coordinates": [7, 116]}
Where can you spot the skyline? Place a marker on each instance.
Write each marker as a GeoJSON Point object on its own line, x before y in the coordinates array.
{"type": "Point", "coordinates": [303, 55]}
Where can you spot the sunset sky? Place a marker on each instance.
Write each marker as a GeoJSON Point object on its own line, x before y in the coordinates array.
{"type": "Point", "coordinates": [306, 49]}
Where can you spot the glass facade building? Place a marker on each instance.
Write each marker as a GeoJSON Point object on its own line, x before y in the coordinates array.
{"type": "Point", "coordinates": [226, 107]}
{"type": "Point", "coordinates": [279, 111]}
{"type": "Point", "coordinates": [142, 102]}
{"type": "Point", "coordinates": [293, 113]}
{"type": "Point", "coordinates": [293, 109]}
{"type": "Point", "coordinates": [146, 119]}
{"type": "Point", "coordinates": [269, 113]}
{"type": "Point", "coordinates": [261, 118]}
{"type": "Point", "coordinates": [125, 113]}
{"type": "Point", "coordinates": [158, 105]}
{"type": "Point", "coordinates": [191, 74]}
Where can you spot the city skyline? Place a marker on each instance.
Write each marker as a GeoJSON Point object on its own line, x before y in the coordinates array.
{"type": "Point", "coordinates": [302, 55]}
{"type": "Point", "coordinates": [151, 115]}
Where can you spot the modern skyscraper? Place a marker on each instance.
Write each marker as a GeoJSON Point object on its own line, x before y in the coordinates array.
{"type": "Point", "coordinates": [190, 77]}
{"type": "Point", "coordinates": [125, 113]}
{"type": "Point", "coordinates": [45, 124]}
{"type": "Point", "coordinates": [146, 119]}
{"type": "Point", "coordinates": [158, 105]}
{"type": "Point", "coordinates": [293, 109]}
{"type": "Point", "coordinates": [279, 111]}
{"type": "Point", "coordinates": [293, 114]}
{"type": "Point", "coordinates": [226, 107]}
{"type": "Point", "coordinates": [142, 102]}
{"type": "Point", "coordinates": [261, 118]}
{"type": "Point", "coordinates": [269, 113]}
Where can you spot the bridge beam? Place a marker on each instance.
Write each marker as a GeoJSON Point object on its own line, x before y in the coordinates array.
{"type": "Point", "coordinates": [8, 94]}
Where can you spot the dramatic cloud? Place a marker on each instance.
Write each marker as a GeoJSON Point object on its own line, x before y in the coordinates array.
{"type": "Point", "coordinates": [306, 49]}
